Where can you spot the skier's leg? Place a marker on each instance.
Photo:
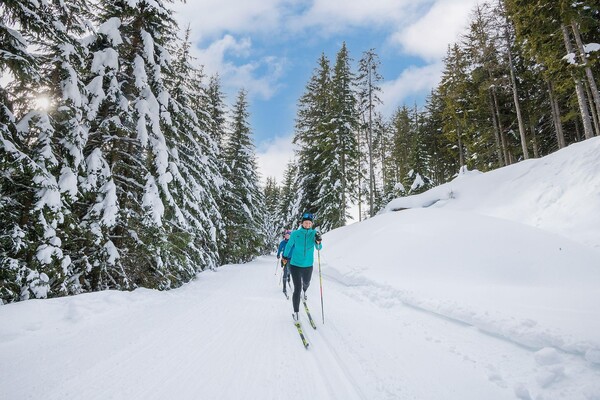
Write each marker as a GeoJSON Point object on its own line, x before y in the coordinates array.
{"type": "Point", "coordinates": [297, 278]}
{"type": "Point", "coordinates": [306, 275]}
{"type": "Point", "coordinates": [285, 277]}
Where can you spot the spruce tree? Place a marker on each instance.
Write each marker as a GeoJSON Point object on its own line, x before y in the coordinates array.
{"type": "Point", "coordinates": [41, 148]}
{"type": "Point", "coordinates": [339, 159]}
{"type": "Point", "coordinates": [244, 206]}
{"type": "Point", "coordinates": [128, 156]}
{"type": "Point", "coordinates": [272, 194]}
{"type": "Point", "coordinates": [367, 80]}
{"type": "Point", "coordinates": [214, 111]}
{"type": "Point", "coordinates": [195, 169]}
{"type": "Point", "coordinates": [313, 124]}
{"type": "Point", "coordinates": [289, 200]}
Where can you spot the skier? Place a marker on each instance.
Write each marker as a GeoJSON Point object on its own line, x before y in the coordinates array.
{"type": "Point", "coordinates": [299, 252]}
{"type": "Point", "coordinates": [284, 263]}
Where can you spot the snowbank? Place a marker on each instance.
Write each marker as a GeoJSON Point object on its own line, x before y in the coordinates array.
{"type": "Point", "coordinates": [559, 193]}
{"type": "Point", "coordinates": [513, 252]}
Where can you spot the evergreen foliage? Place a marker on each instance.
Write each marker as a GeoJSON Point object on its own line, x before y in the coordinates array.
{"type": "Point", "coordinates": [111, 152]}
{"type": "Point", "coordinates": [244, 211]}
{"type": "Point", "coordinates": [507, 92]}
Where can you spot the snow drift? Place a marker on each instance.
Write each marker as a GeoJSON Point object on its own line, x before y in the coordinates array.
{"type": "Point", "coordinates": [514, 252]}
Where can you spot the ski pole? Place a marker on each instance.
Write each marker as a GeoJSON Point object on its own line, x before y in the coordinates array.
{"type": "Point", "coordinates": [321, 284]}
{"type": "Point", "coordinates": [276, 265]}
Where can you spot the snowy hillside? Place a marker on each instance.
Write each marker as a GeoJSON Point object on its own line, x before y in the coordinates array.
{"type": "Point", "coordinates": [491, 292]}
{"type": "Point", "coordinates": [559, 193]}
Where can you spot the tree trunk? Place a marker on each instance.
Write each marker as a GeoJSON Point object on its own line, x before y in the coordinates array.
{"type": "Point", "coordinates": [594, 116]}
{"type": "Point", "coordinates": [342, 220]}
{"type": "Point", "coordinates": [560, 136]}
{"type": "Point", "coordinates": [583, 108]}
{"type": "Point", "coordinates": [588, 73]}
{"type": "Point", "coordinates": [536, 150]}
{"type": "Point", "coordinates": [461, 157]}
{"type": "Point", "coordinates": [513, 80]}
{"type": "Point", "coordinates": [359, 176]}
{"type": "Point", "coordinates": [496, 132]}
{"type": "Point", "coordinates": [507, 159]}
{"type": "Point", "coordinates": [370, 143]}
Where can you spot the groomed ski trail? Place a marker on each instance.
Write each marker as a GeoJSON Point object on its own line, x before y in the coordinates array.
{"type": "Point", "coordinates": [229, 335]}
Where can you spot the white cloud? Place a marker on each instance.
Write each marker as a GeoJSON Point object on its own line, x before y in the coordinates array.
{"type": "Point", "coordinates": [274, 157]}
{"type": "Point", "coordinates": [225, 26]}
{"type": "Point", "coordinates": [429, 36]}
{"type": "Point", "coordinates": [212, 18]}
{"type": "Point", "coordinates": [413, 81]}
{"type": "Point", "coordinates": [250, 75]}
{"type": "Point", "coordinates": [335, 15]}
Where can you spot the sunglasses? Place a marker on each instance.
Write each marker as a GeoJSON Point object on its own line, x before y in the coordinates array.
{"type": "Point", "coordinates": [308, 216]}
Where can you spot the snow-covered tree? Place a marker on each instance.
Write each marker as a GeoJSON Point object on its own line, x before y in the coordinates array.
{"type": "Point", "coordinates": [42, 132]}
{"type": "Point", "coordinates": [312, 125]}
{"type": "Point", "coordinates": [244, 205]}
{"type": "Point", "coordinates": [272, 194]}
{"type": "Point", "coordinates": [195, 169]}
{"type": "Point", "coordinates": [289, 208]}
{"type": "Point", "coordinates": [128, 155]}
{"type": "Point", "coordinates": [340, 156]}
{"type": "Point", "coordinates": [368, 80]}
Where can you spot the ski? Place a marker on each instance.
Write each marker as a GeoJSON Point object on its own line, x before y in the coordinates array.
{"type": "Point", "coordinates": [312, 322]}
{"type": "Point", "coordinates": [299, 327]}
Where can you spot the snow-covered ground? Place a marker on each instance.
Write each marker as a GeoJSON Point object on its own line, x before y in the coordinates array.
{"type": "Point", "coordinates": [484, 288]}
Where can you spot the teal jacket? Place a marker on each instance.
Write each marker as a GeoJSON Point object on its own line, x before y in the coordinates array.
{"type": "Point", "coordinates": [301, 247]}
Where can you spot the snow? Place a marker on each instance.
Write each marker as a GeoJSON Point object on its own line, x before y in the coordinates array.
{"type": "Point", "coordinates": [151, 201]}
{"type": "Point", "coordinates": [112, 251]}
{"type": "Point", "coordinates": [483, 288]}
{"type": "Point", "coordinates": [417, 183]}
{"type": "Point", "coordinates": [68, 182]}
{"type": "Point", "coordinates": [111, 30]}
{"type": "Point", "coordinates": [591, 47]}
{"type": "Point", "coordinates": [570, 58]}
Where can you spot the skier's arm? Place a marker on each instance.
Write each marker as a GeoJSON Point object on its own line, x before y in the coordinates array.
{"type": "Point", "coordinates": [318, 240]}
{"type": "Point", "coordinates": [287, 251]}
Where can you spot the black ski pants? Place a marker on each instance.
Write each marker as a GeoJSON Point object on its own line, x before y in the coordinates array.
{"type": "Point", "coordinates": [301, 278]}
{"type": "Point", "coordinates": [286, 276]}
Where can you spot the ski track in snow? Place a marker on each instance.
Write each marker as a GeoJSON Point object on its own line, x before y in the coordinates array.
{"type": "Point", "coordinates": [229, 335]}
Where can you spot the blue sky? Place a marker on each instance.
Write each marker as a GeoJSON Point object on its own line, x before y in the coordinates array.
{"type": "Point", "coordinates": [271, 47]}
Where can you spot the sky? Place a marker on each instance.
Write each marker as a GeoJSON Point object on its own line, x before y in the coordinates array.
{"type": "Point", "coordinates": [491, 293]}
{"type": "Point", "coordinates": [271, 48]}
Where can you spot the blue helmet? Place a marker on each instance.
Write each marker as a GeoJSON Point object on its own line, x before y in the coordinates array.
{"type": "Point", "coordinates": [307, 217]}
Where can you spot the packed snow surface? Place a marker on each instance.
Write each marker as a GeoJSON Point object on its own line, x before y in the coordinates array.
{"type": "Point", "coordinates": [484, 288]}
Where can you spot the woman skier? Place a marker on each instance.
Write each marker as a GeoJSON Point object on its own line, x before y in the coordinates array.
{"type": "Point", "coordinates": [299, 252]}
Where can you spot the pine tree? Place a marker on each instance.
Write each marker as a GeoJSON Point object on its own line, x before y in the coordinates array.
{"type": "Point", "coordinates": [367, 80]}
{"type": "Point", "coordinates": [41, 148]}
{"type": "Point", "coordinates": [215, 111]}
{"type": "Point", "coordinates": [195, 169]}
{"type": "Point", "coordinates": [313, 123]}
{"type": "Point", "coordinates": [289, 208]}
{"type": "Point", "coordinates": [244, 207]}
{"type": "Point", "coordinates": [272, 194]}
{"type": "Point", "coordinates": [128, 156]}
{"type": "Point", "coordinates": [340, 156]}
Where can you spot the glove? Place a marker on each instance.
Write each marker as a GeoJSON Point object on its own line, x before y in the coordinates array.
{"type": "Point", "coordinates": [284, 261]}
{"type": "Point", "coordinates": [318, 237]}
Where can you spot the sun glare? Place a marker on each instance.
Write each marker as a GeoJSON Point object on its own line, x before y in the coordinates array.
{"type": "Point", "coordinates": [42, 103]}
